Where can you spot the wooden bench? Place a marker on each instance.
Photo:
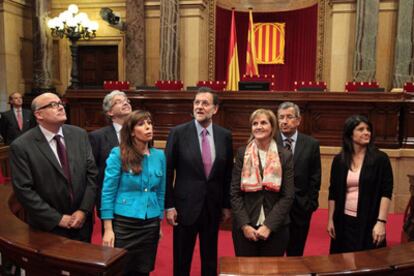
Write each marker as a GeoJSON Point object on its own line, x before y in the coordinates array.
{"type": "Point", "coordinates": [396, 260]}
{"type": "Point", "coordinates": [42, 253]}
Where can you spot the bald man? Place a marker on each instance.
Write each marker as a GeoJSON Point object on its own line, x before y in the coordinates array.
{"type": "Point", "coordinates": [54, 173]}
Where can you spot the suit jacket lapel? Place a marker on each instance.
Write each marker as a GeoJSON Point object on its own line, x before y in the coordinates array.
{"type": "Point", "coordinates": [299, 147]}
{"type": "Point", "coordinates": [194, 146]}
{"type": "Point", "coordinates": [219, 147]}
{"type": "Point", "coordinates": [44, 147]}
{"type": "Point", "coordinates": [71, 145]}
{"type": "Point", "coordinates": [111, 137]}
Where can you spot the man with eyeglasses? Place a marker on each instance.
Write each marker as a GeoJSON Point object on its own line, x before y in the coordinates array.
{"type": "Point", "coordinates": [307, 174]}
{"type": "Point", "coordinates": [199, 166]}
{"type": "Point", "coordinates": [116, 108]}
{"type": "Point", "coordinates": [54, 173]}
{"type": "Point", "coordinates": [17, 120]}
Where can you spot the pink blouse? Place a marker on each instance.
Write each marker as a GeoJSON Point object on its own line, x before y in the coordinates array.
{"type": "Point", "coordinates": [351, 199]}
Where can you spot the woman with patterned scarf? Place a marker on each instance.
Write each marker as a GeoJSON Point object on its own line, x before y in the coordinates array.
{"type": "Point", "coordinates": [262, 191]}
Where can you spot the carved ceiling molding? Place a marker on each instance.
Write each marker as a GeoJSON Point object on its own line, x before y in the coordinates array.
{"type": "Point", "coordinates": [266, 5]}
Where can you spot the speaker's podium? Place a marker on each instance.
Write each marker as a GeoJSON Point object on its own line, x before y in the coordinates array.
{"type": "Point", "coordinates": [254, 85]}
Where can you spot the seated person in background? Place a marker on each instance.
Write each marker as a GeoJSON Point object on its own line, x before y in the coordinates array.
{"type": "Point", "coordinates": [133, 194]}
{"type": "Point", "coordinates": [262, 191]}
{"type": "Point", "coordinates": [360, 190]}
{"type": "Point", "coordinates": [15, 121]}
{"type": "Point", "coordinates": [53, 172]}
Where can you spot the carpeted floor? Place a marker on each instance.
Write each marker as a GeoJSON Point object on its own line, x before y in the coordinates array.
{"type": "Point", "coordinates": [317, 244]}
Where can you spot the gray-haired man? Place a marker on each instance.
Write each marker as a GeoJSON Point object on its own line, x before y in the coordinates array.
{"type": "Point", "coordinates": [116, 107]}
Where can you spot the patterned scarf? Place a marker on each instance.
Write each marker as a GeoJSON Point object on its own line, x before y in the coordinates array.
{"type": "Point", "coordinates": [251, 180]}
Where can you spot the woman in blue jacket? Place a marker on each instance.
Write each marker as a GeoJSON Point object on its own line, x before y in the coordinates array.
{"type": "Point", "coordinates": [133, 194]}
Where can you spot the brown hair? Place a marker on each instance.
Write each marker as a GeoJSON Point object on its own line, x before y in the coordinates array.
{"type": "Point", "coordinates": [270, 116]}
{"type": "Point", "coordinates": [131, 157]}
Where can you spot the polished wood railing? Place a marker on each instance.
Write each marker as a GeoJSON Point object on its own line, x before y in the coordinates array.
{"type": "Point", "coordinates": [396, 260]}
{"type": "Point", "coordinates": [323, 113]}
{"type": "Point", "coordinates": [41, 253]}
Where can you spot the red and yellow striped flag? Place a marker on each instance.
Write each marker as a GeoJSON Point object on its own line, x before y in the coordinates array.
{"type": "Point", "coordinates": [233, 74]}
{"type": "Point", "coordinates": [270, 43]}
{"type": "Point", "coordinates": [251, 64]}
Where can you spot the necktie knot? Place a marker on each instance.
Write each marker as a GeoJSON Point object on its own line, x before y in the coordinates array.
{"type": "Point", "coordinates": [204, 132]}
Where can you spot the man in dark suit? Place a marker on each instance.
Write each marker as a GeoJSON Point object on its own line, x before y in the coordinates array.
{"type": "Point", "coordinates": [53, 172]}
{"type": "Point", "coordinates": [201, 155]}
{"type": "Point", "coordinates": [116, 107]}
{"type": "Point", "coordinates": [307, 175]}
{"type": "Point", "coordinates": [17, 120]}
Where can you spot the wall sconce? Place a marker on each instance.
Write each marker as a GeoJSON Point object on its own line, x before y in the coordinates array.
{"type": "Point", "coordinates": [73, 25]}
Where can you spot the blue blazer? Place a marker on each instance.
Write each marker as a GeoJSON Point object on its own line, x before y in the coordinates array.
{"type": "Point", "coordinates": [132, 195]}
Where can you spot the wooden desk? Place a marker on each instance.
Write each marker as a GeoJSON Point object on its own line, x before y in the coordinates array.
{"type": "Point", "coordinates": [41, 253]}
{"type": "Point", "coordinates": [323, 113]}
{"type": "Point", "coordinates": [397, 260]}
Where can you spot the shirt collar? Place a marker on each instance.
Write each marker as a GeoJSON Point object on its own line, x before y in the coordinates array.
{"type": "Point", "coordinates": [200, 128]}
{"type": "Point", "coordinates": [294, 137]}
{"type": "Point", "coordinates": [117, 127]}
{"type": "Point", "coordinates": [49, 135]}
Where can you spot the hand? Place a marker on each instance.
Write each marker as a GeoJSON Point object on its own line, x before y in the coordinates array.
{"type": "Point", "coordinates": [65, 221]}
{"type": "Point", "coordinates": [161, 234]}
{"type": "Point", "coordinates": [226, 215]}
{"type": "Point", "coordinates": [108, 238]}
{"type": "Point", "coordinates": [378, 233]}
{"type": "Point", "coordinates": [77, 219]}
{"type": "Point", "coordinates": [263, 232]}
{"type": "Point", "coordinates": [249, 233]}
{"type": "Point", "coordinates": [172, 217]}
{"type": "Point", "coordinates": [331, 229]}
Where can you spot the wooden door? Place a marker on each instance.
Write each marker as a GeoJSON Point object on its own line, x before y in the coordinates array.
{"type": "Point", "coordinates": [97, 64]}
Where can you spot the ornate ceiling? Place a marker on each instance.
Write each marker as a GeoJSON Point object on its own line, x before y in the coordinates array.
{"type": "Point", "coordinates": [265, 5]}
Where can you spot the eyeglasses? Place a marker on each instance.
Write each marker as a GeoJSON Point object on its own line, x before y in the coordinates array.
{"type": "Point", "coordinates": [121, 102]}
{"type": "Point", "coordinates": [287, 117]}
{"type": "Point", "coordinates": [54, 105]}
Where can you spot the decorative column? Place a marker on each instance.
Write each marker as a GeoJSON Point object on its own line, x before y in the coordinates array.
{"type": "Point", "coordinates": [135, 42]}
{"type": "Point", "coordinates": [404, 48]}
{"type": "Point", "coordinates": [42, 49]}
{"type": "Point", "coordinates": [170, 40]}
{"type": "Point", "coordinates": [364, 68]}
{"type": "Point", "coordinates": [211, 39]}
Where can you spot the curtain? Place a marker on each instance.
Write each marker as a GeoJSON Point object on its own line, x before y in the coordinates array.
{"type": "Point", "coordinates": [300, 47]}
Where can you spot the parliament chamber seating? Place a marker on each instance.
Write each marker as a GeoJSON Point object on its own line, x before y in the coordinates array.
{"type": "Point", "coordinates": [261, 78]}
{"type": "Point", "coordinates": [169, 85]}
{"type": "Point", "coordinates": [215, 85]}
{"type": "Point", "coordinates": [409, 87]}
{"type": "Point", "coordinates": [309, 86]}
{"type": "Point", "coordinates": [116, 85]}
{"type": "Point", "coordinates": [360, 86]}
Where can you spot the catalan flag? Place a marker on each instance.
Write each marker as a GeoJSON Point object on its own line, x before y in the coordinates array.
{"type": "Point", "coordinates": [270, 43]}
{"type": "Point", "coordinates": [233, 74]}
{"type": "Point", "coordinates": [251, 64]}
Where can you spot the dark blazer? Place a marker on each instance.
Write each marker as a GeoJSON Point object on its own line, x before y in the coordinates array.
{"type": "Point", "coordinates": [191, 189]}
{"type": "Point", "coordinates": [39, 181]}
{"type": "Point", "coordinates": [102, 142]}
{"type": "Point", "coordinates": [375, 182]}
{"type": "Point", "coordinates": [10, 129]}
{"type": "Point", "coordinates": [307, 177]}
{"type": "Point", "coordinates": [246, 206]}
